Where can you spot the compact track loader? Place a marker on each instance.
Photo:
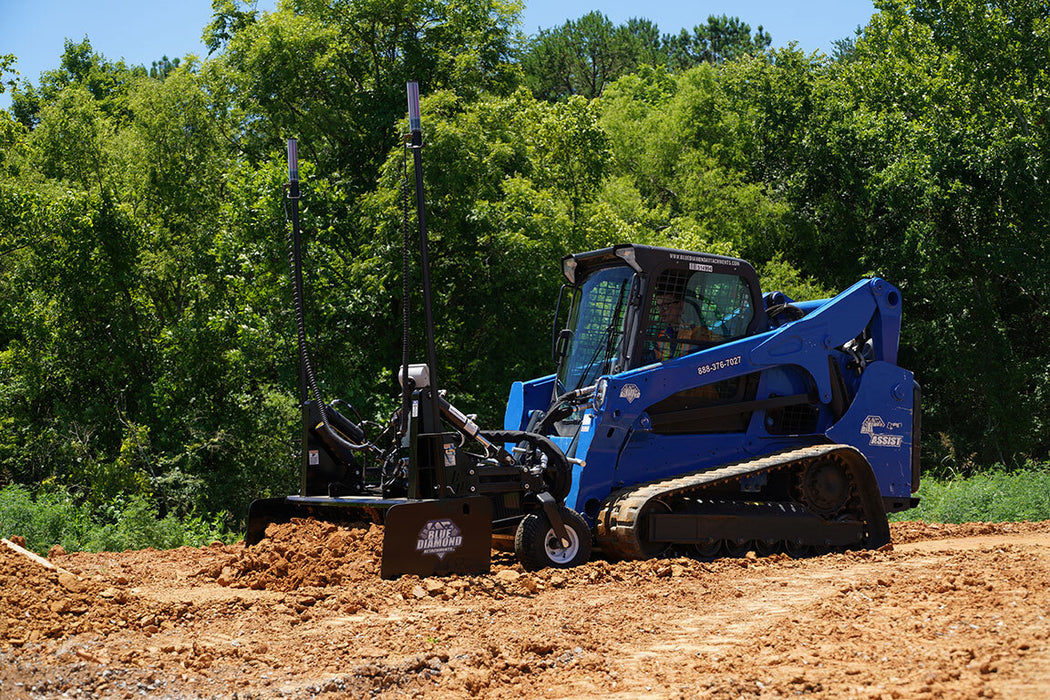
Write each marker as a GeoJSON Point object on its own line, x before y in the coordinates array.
{"type": "Point", "coordinates": [689, 410]}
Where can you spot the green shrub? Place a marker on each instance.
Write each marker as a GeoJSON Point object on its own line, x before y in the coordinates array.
{"type": "Point", "coordinates": [51, 518]}
{"type": "Point", "coordinates": [998, 495]}
{"type": "Point", "coordinates": [46, 520]}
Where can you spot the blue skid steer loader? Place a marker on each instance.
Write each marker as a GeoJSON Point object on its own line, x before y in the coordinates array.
{"type": "Point", "coordinates": [688, 412]}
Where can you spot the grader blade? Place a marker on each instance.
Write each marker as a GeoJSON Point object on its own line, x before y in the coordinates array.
{"type": "Point", "coordinates": [438, 537]}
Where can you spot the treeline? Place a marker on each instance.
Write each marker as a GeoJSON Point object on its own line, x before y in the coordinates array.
{"type": "Point", "coordinates": [582, 56]}
{"type": "Point", "coordinates": [146, 326]}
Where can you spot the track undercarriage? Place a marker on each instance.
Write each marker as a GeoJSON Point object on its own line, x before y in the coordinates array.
{"type": "Point", "coordinates": [800, 502]}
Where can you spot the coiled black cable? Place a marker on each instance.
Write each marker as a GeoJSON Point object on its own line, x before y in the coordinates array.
{"type": "Point", "coordinates": [300, 327]}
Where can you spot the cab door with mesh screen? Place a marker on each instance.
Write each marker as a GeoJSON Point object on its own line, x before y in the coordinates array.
{"type": "Point", "coordinates": [597, 322]}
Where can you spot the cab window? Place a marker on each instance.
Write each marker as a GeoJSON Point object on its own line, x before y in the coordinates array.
{"type": "Point", "coordinates": [690, 310]}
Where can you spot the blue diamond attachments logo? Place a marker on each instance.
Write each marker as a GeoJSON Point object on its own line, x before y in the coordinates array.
{"type": "Point", "coordinates": [439, 537]}
{"type": "Point", "coordinates": [630, 392]}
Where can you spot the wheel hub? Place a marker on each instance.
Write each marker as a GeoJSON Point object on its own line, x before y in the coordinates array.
{"type": "Point", "coordinates": [825, 487]}
{"type": "Point", "coordinates": [557, 552]}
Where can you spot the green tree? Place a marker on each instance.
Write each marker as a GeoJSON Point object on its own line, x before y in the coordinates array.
{"type": "Point", "coordinates": [107, 83]}
{"type": "Point", "coordinates": [722, 39]}
{"type": "Point", "coordinates": [334, 73]}
{"type": "Point", "coordinates": [578, 58]}
{"type": "Point", "coordinates": [162, 69]}
{"type": "Point", "coordinates": [137, 362]}
{"type": "Point", "coordinates": [687, 147]}
{"type": "Point", "coordinates": [582, 56]}
{"type": "Point", "coordinates": [7, 65]}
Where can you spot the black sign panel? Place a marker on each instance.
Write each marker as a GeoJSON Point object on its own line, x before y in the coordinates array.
{"type": "Point", "coordinates": [438, 537]}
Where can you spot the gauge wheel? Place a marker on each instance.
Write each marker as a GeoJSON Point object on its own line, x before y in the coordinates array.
{"type": "Point", "coordinates": [537, 547]}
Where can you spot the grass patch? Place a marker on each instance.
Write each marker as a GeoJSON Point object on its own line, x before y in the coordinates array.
{"type": "Point", "coordinates": [994, 496]}
{"type": "Point", "coordinates": [54, 517]}
{"type": "Point", "coordinates": [51, 518]}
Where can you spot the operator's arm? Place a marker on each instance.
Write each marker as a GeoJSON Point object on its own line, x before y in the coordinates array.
{"type": "Point", "coordinates": [696, 334]}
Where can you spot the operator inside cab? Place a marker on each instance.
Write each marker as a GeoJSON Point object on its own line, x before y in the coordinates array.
{"type": "Point", "coordinates": [675, 320]}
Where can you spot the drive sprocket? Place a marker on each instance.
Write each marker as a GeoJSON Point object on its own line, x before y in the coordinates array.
{"type": "Point", "coordinates": [825, 487]}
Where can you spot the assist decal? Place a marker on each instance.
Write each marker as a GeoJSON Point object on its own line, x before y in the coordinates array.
{"type": "Point", "coordinates": [881, 439]}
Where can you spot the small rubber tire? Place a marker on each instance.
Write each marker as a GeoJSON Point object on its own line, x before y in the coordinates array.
{"type": "Point", "coordinates": [537, 547]}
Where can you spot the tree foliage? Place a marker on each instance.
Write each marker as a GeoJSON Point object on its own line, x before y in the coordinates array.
{"type": "Point", "coordinates": [334, 71]}
{"type": "Point", "coordinates": [722, 39]}
{"type": "Point", "coordinates": [146, 333]}
{"type": "Point", "coordinates": [582, 56]}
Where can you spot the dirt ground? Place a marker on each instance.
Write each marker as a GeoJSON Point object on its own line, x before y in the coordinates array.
{"type": "Point", "coordinates": [945, 612]}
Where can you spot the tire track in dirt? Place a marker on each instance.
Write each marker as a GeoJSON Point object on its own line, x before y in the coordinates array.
{"type": "Point", "coordinates": [840, 630]}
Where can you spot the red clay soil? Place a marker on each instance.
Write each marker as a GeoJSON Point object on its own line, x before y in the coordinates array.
{"type": "Point", "coordinates": [949, 611]}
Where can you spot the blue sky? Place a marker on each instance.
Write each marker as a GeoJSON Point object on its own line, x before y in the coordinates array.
{"type": "Point", "coordinates": [141, 32]}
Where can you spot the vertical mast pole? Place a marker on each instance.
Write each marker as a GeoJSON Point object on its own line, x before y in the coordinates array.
{"type": "Point", "coordinates": [416, 129]}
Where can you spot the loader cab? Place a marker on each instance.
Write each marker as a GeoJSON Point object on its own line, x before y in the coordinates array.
{"type": "Point", "coordinates": [634, 305]}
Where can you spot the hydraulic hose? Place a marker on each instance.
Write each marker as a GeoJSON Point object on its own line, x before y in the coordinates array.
{"type": "Point", "coordinates": [308, 381]}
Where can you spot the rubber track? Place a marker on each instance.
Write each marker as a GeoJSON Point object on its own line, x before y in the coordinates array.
{"type": "Point", "coordinates": [618, 518]}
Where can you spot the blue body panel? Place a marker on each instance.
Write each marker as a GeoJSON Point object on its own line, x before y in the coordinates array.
{"type": "Point", "coordinates": [874, 413]}
{"type": "Point", "coordinates": [526, 397]}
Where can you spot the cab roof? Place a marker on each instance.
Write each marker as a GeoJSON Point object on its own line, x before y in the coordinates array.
{"type": "Point", "coordinates": [649, 259]}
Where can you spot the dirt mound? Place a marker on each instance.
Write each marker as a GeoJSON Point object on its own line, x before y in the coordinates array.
{"type": "Point", "coordinates": [904, 532]}
{"type": "Point", "coordinates": [299, 554]}
{"type": "Point", "coordinates": [38, 602]}
{"type": "Point", "coordinates": [41, 604]}
{"type": "Point", "coordinates": [307, 554]}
